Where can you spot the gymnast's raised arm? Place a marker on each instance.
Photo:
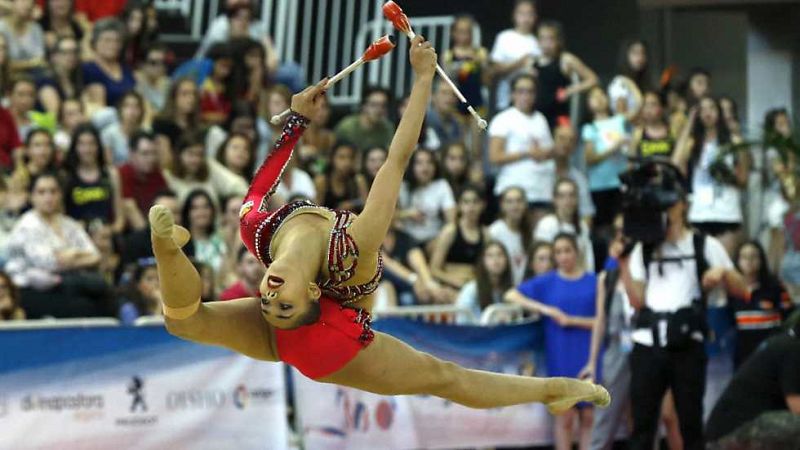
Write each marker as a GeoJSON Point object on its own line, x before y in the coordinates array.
{"type": "Point", "coordinates": [370, 228]}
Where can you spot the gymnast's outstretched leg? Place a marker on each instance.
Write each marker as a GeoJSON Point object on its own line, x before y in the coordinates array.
{"type": "Point", "coordinates": [235, 324]}
{"type": "Point", "coordinates": [390, 367]}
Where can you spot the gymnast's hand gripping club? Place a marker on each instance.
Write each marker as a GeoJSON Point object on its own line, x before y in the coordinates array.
{"type": "Point", "coordinates": [395, 14]}
{"type": "Point", "coordinates": [378, 48]}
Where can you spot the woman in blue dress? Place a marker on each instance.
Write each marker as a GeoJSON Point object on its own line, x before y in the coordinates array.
{"type": "Point", "coordinates": [565, 297]}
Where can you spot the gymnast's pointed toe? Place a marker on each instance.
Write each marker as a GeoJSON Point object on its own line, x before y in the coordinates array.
{"type": "Point", "coordinates": [161, 221]}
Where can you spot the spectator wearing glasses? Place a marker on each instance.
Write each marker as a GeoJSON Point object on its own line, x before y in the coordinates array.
{"type": "Point", "coordinates": [521, 145]}
{"type": "Point", "coordinates": [63, 82]}
{"type": "Point", "coordinates": [152, 81]}
{"type": "Point", "coordinates": [10, 308]}
{"type": "Point", "coordinates": [24, 36]}
{"type": "Point", "coordinates": [371, 127]}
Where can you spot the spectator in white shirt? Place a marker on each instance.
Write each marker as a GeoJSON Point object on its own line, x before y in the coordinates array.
{"type": "Point", "coordinates": [513, 230]}
{"type": "Point", "coordinates": [520, 143]}
{"type": "Point", "coordinates": [53, 260]}
{"type": "Point", "coordinates": [515, 50]}
{"type": "Point", "coordinates": [567, 219]}
{"type": "Point", "coordinates": [426, 201]}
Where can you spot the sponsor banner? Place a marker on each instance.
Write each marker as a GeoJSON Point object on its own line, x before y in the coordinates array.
{"type": "Point", "coordinates": [333, 417]}
{"type": "Point", "coordinates": [136, 388]}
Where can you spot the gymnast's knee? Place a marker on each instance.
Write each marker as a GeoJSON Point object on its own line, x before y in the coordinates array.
{"type": "Point", "coordinates": [182, 328]}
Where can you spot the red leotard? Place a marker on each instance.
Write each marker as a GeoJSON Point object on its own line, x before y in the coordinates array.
{"type": "Point", "coordinates": [324, 347]}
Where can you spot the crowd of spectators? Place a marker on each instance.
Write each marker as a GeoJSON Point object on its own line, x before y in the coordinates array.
{"type": "Point", "coordinates": [98, 123]}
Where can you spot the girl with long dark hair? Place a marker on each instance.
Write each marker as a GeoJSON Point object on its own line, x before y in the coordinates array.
{"type": "Point", "coordinates": [372, 161]}
{"type": "Point", "coordinates": [540, 259]}
{"type": "Point", "coordinates": [426, 200]}
{"type": "Point", "coordinates": [456, 166]}
{"type": "Point", "coordinates": [760, 314]}
{"type": "Point", "coordinates": [625, 90]}
{"type": "Point", "coordinates": [92, 189]}
{"type": "Point", "coordinates": [341, 186]}
{"type": "Point", "coordinates": [653, 136]}
{"type": "Point", "coordinates": [716, 180]}
{"type": "Point", "coordinates": [199, 216]}
{"type": "Point", "coordinates": [513, 230]}
{"type": "Point", "coordinates": [492, 279]}
{"type": "Point", "coordinates": [459, 244]}
{"type": "Point", "coordinates": [236, 153]}
{"type": "Point", "coordinates": [567, 219]}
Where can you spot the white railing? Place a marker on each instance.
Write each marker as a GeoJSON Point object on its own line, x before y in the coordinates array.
{"type": "Point", "coordinates": [147, 321]}
{"type": "Point", "coordinates": [324, 36]}
{"type": "Point", "coordinates": [501, 313]}
{"type": "Point", "coordinates": [59, 323]}
{"type": "Point", "coordinates": [428, 313]}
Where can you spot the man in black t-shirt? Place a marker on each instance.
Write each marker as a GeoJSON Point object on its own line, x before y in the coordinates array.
{"type": "Point", "coordinates": [768, 381]}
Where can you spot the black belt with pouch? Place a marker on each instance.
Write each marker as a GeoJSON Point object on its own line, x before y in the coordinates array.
{"type": "Point", "coordinates": [680, 325]}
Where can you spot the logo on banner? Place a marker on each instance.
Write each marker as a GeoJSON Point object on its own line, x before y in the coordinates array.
{"type": "Point", "coordinates": [196, 399]}
{"type": "Point", "coordinates": [357, 414]}
{"type": "Point", "coordinates": [135, 389]}
{"type": "Point", "coordinates": [58, 403]}
{"type": "Point", "coordinates": [243, 396]}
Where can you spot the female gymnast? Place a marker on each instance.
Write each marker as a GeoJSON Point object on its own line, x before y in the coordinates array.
{"type": "Point", "coordinates": [322, 268]}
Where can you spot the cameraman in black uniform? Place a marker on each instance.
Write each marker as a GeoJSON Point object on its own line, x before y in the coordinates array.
{"type": "Point", "coordinates": [667, 276]}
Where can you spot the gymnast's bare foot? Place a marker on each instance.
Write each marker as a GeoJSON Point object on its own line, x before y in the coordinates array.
{"type": "Point", "coordinates": [573, 391]}
{"type": "Point", "coordinates": [162, 225]}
